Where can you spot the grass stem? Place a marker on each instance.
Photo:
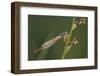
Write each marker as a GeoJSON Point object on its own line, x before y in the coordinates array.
{"type": "Point", "coordinates": [67, 47]}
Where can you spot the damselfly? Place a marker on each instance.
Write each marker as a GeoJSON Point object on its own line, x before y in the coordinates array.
{"type": "Point", "coordinates": [52, 41]}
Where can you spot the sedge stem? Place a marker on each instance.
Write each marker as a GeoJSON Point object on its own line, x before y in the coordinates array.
{"type": "Point", "coordinates": [67, 47]}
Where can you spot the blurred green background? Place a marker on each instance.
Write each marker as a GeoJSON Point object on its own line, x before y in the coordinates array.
{"type": "Point", "coordinates": [43, 28]}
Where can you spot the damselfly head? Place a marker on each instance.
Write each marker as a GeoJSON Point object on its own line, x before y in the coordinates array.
{"type": "Point", "coordinates": [65, 34]}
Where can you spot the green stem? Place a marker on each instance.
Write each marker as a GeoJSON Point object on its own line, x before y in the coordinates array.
{"type": "Point", "coordinates": [67, 48]}
{"type": "Point", "coordinates": [72, 28]}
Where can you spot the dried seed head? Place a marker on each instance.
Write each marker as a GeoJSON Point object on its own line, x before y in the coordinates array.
{"type": "Point", "coordinates": [78, 23]}
{"type": "Point", "coordinates": [82, 21]}
{"type": "Point", "coordinates": [75, 42]}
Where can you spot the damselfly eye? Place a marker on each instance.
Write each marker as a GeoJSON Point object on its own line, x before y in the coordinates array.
{"type": "Point", "coordinates": [63, 35]}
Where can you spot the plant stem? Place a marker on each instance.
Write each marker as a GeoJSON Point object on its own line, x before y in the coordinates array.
{"type": "Point", "coordinates": [66, 50]}
{"type": "Point", "coordinates": [67, 47]}
{"type": "Point", "coordinates": [71, 28]}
